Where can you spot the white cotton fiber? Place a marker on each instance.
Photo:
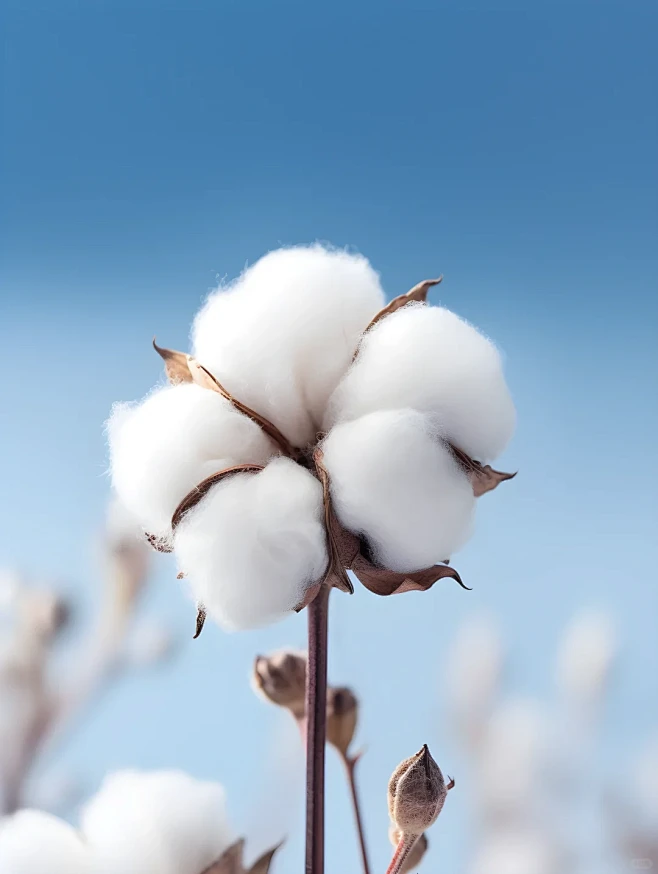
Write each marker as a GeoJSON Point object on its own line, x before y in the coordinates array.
{"type": "Point", "coordinates": [517, 851]}
{"type": "Point", "coordinates": [163, 822]}
{"type": "Point", "coordinates": [254, 544]}
{"type": "Point", "coordinates": [283, 334]}
{"type": "Point", "coordinates": [394, 481]}
{"type": "Point", "coordinates": [163, 447]}
{"type": "Point", "coordinates": [429, 359]}
{"type": "Point", "coordinates": [33, 842]}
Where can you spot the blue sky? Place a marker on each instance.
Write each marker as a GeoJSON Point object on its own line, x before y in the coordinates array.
{"type": "Point", "coordinates": [149, 148]}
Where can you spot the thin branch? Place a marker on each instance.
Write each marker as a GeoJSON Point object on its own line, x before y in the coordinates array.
{"type": "Point", "coordinates": [350, 763]}
{"type": "Point", "coordinates": [316, 728]}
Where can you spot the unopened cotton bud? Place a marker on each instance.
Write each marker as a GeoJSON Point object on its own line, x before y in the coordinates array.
{"type": "Point", "coordinates": [416, 854]}
{"type": "Point", "coordinates": [281, 679]}
{"type": "Point", "coordinates": [416, 793]}
{"type": "Point", "coordinates": [342, 716]}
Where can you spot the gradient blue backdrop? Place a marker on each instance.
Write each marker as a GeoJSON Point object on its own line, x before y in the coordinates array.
{"type": "Point", "coordinates": [150, 148]}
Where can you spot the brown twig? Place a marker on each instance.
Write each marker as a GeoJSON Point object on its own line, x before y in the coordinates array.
{"type": "Point", "coordinates": [350, 763]}
{"type": "Point", "coordinates": [316, 728]}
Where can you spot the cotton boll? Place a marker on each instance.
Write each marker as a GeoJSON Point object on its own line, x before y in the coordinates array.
{"type": "Point", "coordinates": [514, 757]}
{"type": "Point", "coordinates": [517, 852]}
{"type": "Point", "coordinates": [429, 359]}
{"type": "Point", "coordinates": [395, 482]}
{"type": "Point", "coordinates": [163, 447]}
{"type": "Point", "coordinates": [163, 822]}
{"type": "Point", "coordinates": [254, 544]}
{"type": "Point", "coordinates": [32, 842]}
{"type": "Point", "coordinates": [475, 667]}
{"type": "Point", "coordinates": [281, 336]}
{"type": "Point", "coordinates": [585, 658]}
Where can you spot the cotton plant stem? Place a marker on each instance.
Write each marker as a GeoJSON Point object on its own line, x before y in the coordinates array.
{"type": "Point", "coordinates": [316, 728]}
{"type": "Point", "coordinates": [350, 763]}
{"type": "Point", "coordinates": [404, 847]}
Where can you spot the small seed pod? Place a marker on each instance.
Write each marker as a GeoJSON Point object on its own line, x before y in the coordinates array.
{"type": "Point", "coordinates": [416, 793]}
{"type": "Point", "coordinates": [417, 853]}
{"type": "Point", "coordinates": [281, 679]}
{"type": "Point", "coordinates": [342, 716]}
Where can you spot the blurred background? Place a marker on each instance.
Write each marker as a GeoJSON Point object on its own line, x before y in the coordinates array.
{"type": "Point", "coordinates": [150, 149]}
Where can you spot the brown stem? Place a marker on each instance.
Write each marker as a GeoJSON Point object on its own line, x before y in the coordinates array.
{"type": "Point", "coordinates": [316, 728]}
{"type": "Point", "coordinates": [404, 847]}
{"type": "Point", "coordinates": [350, 763]}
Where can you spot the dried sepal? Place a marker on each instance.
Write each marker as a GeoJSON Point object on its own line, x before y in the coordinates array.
{"type": "Point", "coordinates": [417, 294]}
{"type": "Point", "coordinates": [158, 543]}
{"type": "Point", "coordinates": [263, 863]}
{"type": "Point", "coordinates": [230, 862]}
{"type": "Point", "coordinates": [336, 544]}
{"type": "Point", "coordinates": [482, 476]}
{"type": "Point", "coordinates": [202, 377]}
{"type": "Point", "coordinates": [385, 582]}
{"type": "Point", "coordinates": [200, 620]}
{"type": "Point", "coordinates": [176, 364]}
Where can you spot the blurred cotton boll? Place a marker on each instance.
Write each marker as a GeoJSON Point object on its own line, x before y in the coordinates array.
{"type": "Point", "coordinates": [163, 822]}
{"type": "Point", "coordinates": [281, 336]}
{"type": "Point", "coordinates": [430, 359]}
{"type": "Point", "coordinates": [475, 667]}
{"type": "Point", "coordinates": [585, 658]}
{"type": "Point", "coordinates": [517, 851]}
{"type": "Point", "coordinates": [166, 445]}
{"type": "Point", "coordinates": [32, 842]}
{"type": "Point", "coordinates": [254, 544]}
{"type": "Point", "coordinates": [394, 481]}
{"type": "Point", "coordinates": [513, 759]}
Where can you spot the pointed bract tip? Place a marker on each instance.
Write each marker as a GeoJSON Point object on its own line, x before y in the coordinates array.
{"type": "Point", "coordinates": [200, 620]}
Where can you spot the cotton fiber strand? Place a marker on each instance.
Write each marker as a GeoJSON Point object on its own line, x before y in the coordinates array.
{"type": "Point", "coordinates": [394, 481]}
{"type": "Point", "coordinates": [33, 842]}
{"type": "Point", "coordinates": [165, 446]}
{"type": "Point", "coordinates": [163, 822]}
{"type": "Point", "coordinates": [429, 359]}
{"type": "Point", "coordinates": [254, 544]}
{"type": "Point", "coordinates": [281, 336]}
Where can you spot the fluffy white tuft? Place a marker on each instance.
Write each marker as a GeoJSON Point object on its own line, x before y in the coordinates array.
{"type": "Point", "coordinates": [474, 674]}
{"type": "Point", "coordinates": [429, 359]}
{"type": "Point", "coordinates": [163, 822]}
{"type": "Point", "coordinates": [517, 851]}
{"type": "Point", "coordinates": [254, 544]}
{"type": "Point", "coordinates": [395, 482]}
{"type": "Point", "coordinates": [33, 842]}
{"type": "Point", "coordinates": [163, 447]}
{"type": "Point", "coordinates": [282, 335]}
{"type": "Point", "coordinates": [515, 756]}
{"type": "Point", "coordinates": [585, 659]}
